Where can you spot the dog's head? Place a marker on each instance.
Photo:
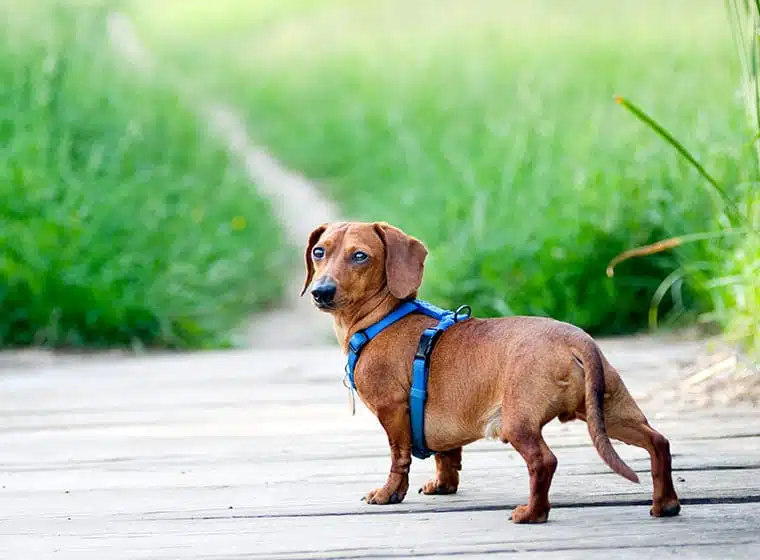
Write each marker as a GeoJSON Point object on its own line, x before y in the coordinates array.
{"type": "Point", "coordinates": [351, 263]}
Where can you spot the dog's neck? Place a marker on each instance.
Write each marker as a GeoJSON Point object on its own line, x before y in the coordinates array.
{"type": "Point", "coordinates": [352, 320]}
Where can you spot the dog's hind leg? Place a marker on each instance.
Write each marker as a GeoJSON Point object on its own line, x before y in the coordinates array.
{"type": "Point", "coordinates": [625, 422]}
{"type": "Point", "coordinates": [447, 467]}
{"type": "Point", "coordinates": [526, 438]}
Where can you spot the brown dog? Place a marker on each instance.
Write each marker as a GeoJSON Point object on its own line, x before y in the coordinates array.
{"type": "Point", "coordinates": [502, 378]}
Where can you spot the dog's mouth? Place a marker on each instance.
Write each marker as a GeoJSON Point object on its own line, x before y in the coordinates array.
{"type": "Point", "coordinates": [322, 306]}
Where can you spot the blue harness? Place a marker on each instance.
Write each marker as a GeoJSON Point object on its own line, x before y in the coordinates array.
{"type": "Point", "coordinates": [421, 365]}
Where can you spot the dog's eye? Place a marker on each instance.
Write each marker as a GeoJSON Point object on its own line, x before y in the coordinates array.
{"type": "Point", "coordinates": [359, 257]}
{"type": "Point", "coordinates": [318, 253]}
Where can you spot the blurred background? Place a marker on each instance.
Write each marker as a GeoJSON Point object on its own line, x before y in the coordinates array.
{"type": "Point", "coordinates": [487, 128]}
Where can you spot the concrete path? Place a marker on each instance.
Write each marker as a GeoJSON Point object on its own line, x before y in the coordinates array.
{"type": "Point", "coordinates": [253, 454]}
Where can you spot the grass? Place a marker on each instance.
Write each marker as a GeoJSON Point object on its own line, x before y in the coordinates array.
{"type": "Point", "coordinates": [489, 130]}
{"type": "Point", "coordinates": [121, 221]}
{"type": "Point", "coordinates": [731, 276]}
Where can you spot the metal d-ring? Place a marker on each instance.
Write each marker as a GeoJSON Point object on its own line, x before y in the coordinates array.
{"type": "Point", "coordinates": [460, 314]}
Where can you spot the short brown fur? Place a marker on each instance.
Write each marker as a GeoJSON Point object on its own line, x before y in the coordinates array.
{"type": "Point", "coordinates": [503, 377]}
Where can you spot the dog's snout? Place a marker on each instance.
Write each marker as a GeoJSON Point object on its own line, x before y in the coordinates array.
{"type": "Point", "coordinates": [324, 293]}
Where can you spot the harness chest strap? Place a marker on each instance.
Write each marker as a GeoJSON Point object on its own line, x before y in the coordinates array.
{"type": "Point", "coordinates": [421, 364]}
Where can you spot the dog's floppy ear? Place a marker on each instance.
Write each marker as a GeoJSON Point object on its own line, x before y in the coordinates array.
{"type": "Point", "coordinates": [404, 260]}
{"type": "Point", "coordinates": [313, 238]}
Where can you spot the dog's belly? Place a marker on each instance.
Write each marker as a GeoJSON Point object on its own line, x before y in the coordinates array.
{"type": "Point", "coordinates": [444, 432]}
{"type": "Point", "coordinates": [461, 413]}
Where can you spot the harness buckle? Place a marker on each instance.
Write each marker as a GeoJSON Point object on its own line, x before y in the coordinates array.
{"type": "Point", "coordinates": [426, 344]}
{"type": "Point", "coordinates": [356, 347]}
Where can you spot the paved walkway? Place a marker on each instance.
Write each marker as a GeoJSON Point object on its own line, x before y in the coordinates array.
{"type": "Point", "coordinates": [253, 454]}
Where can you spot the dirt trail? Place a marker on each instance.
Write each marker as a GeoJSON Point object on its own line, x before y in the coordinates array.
{"type": "Point", "coordinates": [297, 202]}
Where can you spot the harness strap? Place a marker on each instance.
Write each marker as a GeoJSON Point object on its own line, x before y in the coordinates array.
{"type": "Point", "coordinates": [420, 374]}
{"type": "Point", "coordinates": [361, 338]}
{"type": "Point", "coordinates": [421, 364]}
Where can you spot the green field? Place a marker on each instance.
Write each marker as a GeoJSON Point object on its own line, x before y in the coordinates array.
{"type": "Point", "coordinates": [121, 221]}
{"type": "Point", "coordinates": [489, 130]}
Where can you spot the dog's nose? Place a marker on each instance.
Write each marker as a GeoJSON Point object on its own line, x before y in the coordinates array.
{"type": "Point", "coordinates": [324, 294]}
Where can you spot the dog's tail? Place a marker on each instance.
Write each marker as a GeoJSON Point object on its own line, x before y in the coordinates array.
{"type": "Point", "coordinates": [591, 358]}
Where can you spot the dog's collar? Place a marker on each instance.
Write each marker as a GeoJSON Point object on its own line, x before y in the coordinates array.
{"type": "Point", "coordinates": [421, 364]}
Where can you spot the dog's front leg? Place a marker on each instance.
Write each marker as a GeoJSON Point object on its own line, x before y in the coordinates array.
{"type": "Point", "coordinates": [395, 421]}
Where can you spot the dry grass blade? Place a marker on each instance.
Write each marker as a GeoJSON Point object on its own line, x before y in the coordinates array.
{"type": "Point", "coordinates": [667, 244]}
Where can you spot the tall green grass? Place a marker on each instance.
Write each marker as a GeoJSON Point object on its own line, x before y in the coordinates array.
{"type": "Point", "coordinates": [732, 275]}
{"type": "Point", "coordinates": [122, 222]}
{"type": "Point", "coordinates": [488, 130]}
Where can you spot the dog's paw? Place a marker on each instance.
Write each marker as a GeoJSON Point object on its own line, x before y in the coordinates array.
{"type": "Point", "coordinates": [522, 514]}
{"type": "Point", "coordinates": [436, 486]}
{"type": "Point", "coordinates": [384, 496]}
{"type": "Point", "coordinates": [668, 509]}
